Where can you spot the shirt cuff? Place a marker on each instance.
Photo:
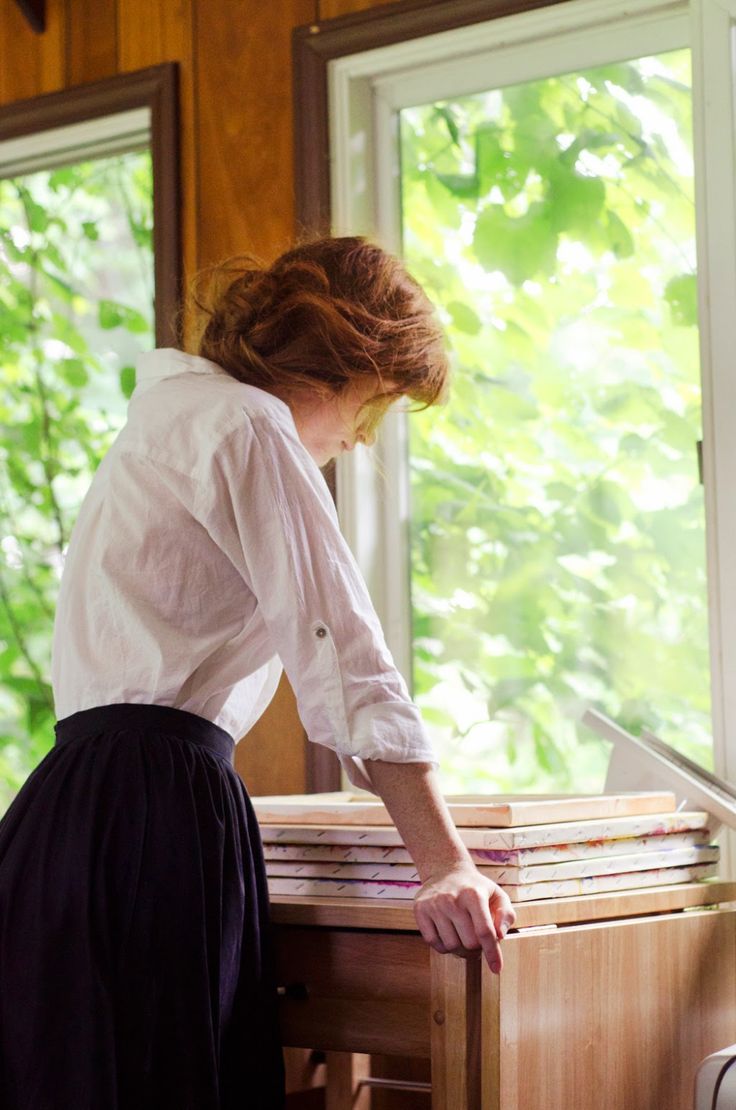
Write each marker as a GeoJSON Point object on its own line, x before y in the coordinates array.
{"type": "Point", "coordinates": [393, 731]}
{"type": "Point", "coordinates": [354, 768]}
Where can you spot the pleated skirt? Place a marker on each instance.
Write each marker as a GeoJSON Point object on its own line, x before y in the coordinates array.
{"type": "Point", "coordinates": [135, 965]}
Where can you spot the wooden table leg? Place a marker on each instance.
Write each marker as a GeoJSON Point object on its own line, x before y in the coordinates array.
{"type": "Point", "coordinates": [344, 1072]}
{"type": "Point", "coordinates": [490, 1039]}
{"type": "Point", "coordinates": [455, 1036]}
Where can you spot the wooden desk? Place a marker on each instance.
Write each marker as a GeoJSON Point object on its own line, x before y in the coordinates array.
{"type": "Point", "coordinates": [607, 1001]}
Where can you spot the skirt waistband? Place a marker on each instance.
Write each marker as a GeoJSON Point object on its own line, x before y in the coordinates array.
{"type": "Point", "coordinates": [142, 718]}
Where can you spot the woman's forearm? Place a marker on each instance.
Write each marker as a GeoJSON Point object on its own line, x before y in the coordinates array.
{"type": "Point", "coordinates": [412, 795]}
{"type": "Point", "coordinates": [458, 909]}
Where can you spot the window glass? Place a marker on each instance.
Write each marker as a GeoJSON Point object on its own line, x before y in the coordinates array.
{"type": "Point", "coordinates": [557, 520]}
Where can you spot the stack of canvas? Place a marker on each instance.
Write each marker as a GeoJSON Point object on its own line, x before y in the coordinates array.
{"type": "Point", "coordinates": [535, 847]}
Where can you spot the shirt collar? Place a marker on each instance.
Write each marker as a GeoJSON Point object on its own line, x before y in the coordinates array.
{"type": "Point", "coordinates": [166, 362]}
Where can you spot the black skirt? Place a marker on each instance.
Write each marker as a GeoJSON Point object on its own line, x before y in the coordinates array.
{"type": "Point", "coordinates": [135, 970]}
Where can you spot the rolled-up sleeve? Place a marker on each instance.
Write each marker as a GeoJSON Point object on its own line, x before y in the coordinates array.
{"type": "Point", "coordinates": [266, 505]}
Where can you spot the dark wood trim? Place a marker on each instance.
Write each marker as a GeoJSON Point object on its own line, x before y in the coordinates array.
{"type": "Point", "coordinates": [321, 765]}
{"type": "Point", "coordinates": [167, 249]}
{"type": "Point", "coordinates": [156, 88]}
{"type": "Point", "coordinates": [35, 13]}
{"type": "Point", "coordinates": [322, 769]}
{"type": "Point", "coordinates": [313, 46]}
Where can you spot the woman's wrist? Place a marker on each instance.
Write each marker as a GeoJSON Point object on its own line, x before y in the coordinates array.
{"type": "Point", "coordinates": [413, 798]}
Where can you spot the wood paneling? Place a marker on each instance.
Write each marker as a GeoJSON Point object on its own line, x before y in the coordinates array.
{"type": "Point", "coordinates": [331, 9]}
{"type": "Point", "coordinates": [31, 63]}
{"type": "Point", "coordinates": [271, 758]}
{"type": "Point", "coordinates": [245, 164]}
{"type": "Point", "coordinates": [52, 48]}
{"type": "Point", "coordinates": [91, 29]}
{"type": "Point", "coordinates": [148, 34]}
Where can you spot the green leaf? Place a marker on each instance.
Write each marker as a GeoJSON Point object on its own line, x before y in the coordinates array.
{"type": "Point", "coordinates": [142, 235]}
{"type": "Point", "coordinates": [521, 247]}
{"type": "Point", "coordinates": [464, 317]}
{"type": "Point", "coordinates": [492, 163]}
{"type": "Point", "coordinates": [37, 216]}
{"type": "Point", "coordinates": [445, 114]}
{"type": "Point", "coordinates": [626, 75]}
{"type": "Point", "coordinates": [460, 184]}
{"type": "Point", "coordinates": [619, 237]}
{"type": "Point", "coordinates": [127, 381]}
{"type": "Point", "coordinates": [90, 230]}
{"type": "Point", "coordinates": [60, 287]}
{"type": "Point", "coordinates": [65, 176]}
{"type": "Point", "coordinates": [681, 294]}
{"type": "Point", "coordinates": [109, 314]}
{"type": "Point", "coordinates": [73, 371]}
{"type": "Point", "coordinates": [114, 315]}
{"type": "Point", "coordinates": [575, 201]}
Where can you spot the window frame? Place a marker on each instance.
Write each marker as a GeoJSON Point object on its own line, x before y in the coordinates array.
{"type": "Point", "coordinates": [314, 47]}
{"type": "Point", "coordinates": [341, 77]}
{"type": "Point", "coordinates": [155, 89]}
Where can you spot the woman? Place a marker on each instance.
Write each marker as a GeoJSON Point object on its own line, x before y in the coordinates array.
{"type": "Point", "coordinates": [134, 963]}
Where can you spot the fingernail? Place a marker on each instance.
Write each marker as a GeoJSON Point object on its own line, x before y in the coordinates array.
{"type": "Point", "coordinates": [495, 968]}
{"type": "Point", "coordinates": [503, 931]}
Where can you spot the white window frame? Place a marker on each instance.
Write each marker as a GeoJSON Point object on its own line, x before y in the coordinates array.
{"type": "Point", "coordinates": [366, 92]}
{"type": "Point", "coordinates": [101, 137]}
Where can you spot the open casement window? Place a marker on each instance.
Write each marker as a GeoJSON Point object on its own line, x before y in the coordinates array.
{"type": "Point", "coordinates": [89, 261]}
{"type": "Point", "coordinates": [561, 181]}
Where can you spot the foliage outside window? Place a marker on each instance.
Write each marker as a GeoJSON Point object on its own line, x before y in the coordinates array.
{"type": "Point", "coordinates": [558, 547]}
{"type": "Point", "coordinates": [76, 297]}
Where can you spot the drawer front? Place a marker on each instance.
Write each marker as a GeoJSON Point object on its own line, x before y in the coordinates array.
{"type": "Point", "coordinates": [353, 990]}
{"type": "Point", "coordinates": [629, 1008]}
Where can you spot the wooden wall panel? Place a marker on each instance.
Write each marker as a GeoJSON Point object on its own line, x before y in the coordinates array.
{"type": "Point", "coordinates": [331, 9]}
{"type": "Point", "coordinates": [271, 758]}
{"type": "Point", "coordinates": [91, 40]}
{"type": "Point", "coordinates": [31, 63]}
{"type": "Point", "coordinates": [245, 164]}
{"type": "Point", "coordinates": [148, 34]}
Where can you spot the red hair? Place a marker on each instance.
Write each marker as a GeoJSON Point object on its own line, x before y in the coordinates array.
{"type": "Point", "coordinates": [327, 314]}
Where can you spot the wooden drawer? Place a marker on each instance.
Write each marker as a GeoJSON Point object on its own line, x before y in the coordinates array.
{"type": "Point", "coordinates": [361, 992]}
{"type": "Point", "coordinates": [616, 1015]}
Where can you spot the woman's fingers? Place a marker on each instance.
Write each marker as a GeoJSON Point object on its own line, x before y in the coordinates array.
{"type": "Point", "coordinates": [489, 936]}
{"type": "Point", "coordinates": [452, 927]}
{"type": "Point", "coordinates": [503, 912]}
{"type": "Point", "coordinates": [435, 930]}
{"type": "Point", "coordinates": [461, 917]}
{"type": "Point", "coordinates": [449, 935]}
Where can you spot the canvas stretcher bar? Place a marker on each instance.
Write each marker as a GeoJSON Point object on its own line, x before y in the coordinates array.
{"type": "Point", "coordinates": [640, 762]}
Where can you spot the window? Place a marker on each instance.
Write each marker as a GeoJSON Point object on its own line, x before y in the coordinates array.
{"type": "Point", "coordinates": [79, 287]}
{"type": "Point", "coordinates": [545, 543]}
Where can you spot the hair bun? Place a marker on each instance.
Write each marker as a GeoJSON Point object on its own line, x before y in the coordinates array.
{"type": "Point", "coordinates": [327, 313]}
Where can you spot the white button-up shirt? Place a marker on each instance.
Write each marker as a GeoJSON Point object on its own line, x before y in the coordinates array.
{"type": "Point", "coordinates": [207, 553]}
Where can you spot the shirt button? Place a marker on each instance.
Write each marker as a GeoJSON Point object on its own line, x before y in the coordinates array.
{"type": "Point", "coordinates": [321, 632]}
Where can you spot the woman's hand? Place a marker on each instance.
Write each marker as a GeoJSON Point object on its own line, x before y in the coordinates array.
{"type": "Point", "coordinates": [459, 911]}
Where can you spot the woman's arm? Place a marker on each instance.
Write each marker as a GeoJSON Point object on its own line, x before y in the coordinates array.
{"type": "Point", "coordinates": [458, 910]}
